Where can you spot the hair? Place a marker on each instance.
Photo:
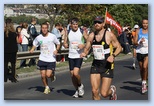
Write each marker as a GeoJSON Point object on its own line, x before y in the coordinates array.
{"type": "Point", "coordinates": [9, 27]}
{"type": "Point", "coordinates": [44, 24]}
{"type": "Point", "coordinates": [57, 24]}
{"type": "Point", "coordinates": [74, 20]}
{"type": "Point", "coordinates": [33, 19]}
{"type": "Point", "coordinates": [24, 25]}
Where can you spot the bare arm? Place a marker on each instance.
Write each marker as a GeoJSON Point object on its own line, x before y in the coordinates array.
{"type": "Point", "coordinates": [115, 44]}
{"type": "Point", "coordinates": [32, 49]}
{"type": "Point", "coordinates": [88, 45]}
{"type": "Point", "coordinates": [65, 44]}
{"type": "Point", "coordinates": [136, 38]}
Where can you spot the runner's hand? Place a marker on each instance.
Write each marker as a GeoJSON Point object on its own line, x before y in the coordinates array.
{"type": "Point", "coordinates": [55, 52]}
{"type": "Point", "coordinates": [81, 46]}
{"type": "Point", "coordinates": [110, 59]}
{"type": "Point", "coordinates": [82, 55]}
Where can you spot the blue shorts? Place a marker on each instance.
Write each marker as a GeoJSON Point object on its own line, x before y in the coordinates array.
{"type": "Point", "coordinates": [46, 65]}
{"type": "Point", "coordinates": [77, 62]}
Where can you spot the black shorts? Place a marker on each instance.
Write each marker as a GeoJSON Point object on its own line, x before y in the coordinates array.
{"type": "Point", "coordinates": [46, 65]}
{"type": "Point", "coordinates": [102, 71]}
{"type": "Point", "coordinates": [77, 62]}
{"type": "Point", "coordinates": [140, 57]}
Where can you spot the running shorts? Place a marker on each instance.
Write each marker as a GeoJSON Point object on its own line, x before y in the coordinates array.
{"type": "Point", "coordinates": [46, 65]}
{"type": "Point", "coordinates": [76, 62]}
{"type": "Point", "coordinates": [140, 57]}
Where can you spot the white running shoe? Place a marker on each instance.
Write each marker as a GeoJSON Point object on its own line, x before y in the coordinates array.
{"type": "Point", "coordinates": [47, 90]}
{"type": "Point", "coordinates": [114, 95]}
{"type": "Point", "coordinates": [53, 78]}
{"type": "Point", "coordinates": [134, 66]}
{"type": "Point", "coordinates": [144, 88]}
{"type": "Point", "coordinates": [81, 90]}
{"type": "Point", "coordinates": [76, 95]}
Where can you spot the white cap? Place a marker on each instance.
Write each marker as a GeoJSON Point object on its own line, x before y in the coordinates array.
{"type": "Point", "coordinates": [136, 26]}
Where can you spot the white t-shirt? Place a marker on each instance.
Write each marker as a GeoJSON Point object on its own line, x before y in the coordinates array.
{"type": "Point", "coordinates": [75, 38]}
{"type": "Point", "coordinates": [47, 47]}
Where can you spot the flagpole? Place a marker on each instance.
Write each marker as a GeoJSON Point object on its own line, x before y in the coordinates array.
{"type": "Point", "coordinates": [105, 15]}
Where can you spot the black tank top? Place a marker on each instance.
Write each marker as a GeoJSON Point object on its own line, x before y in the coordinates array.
{"type": "Point", "coordinates": [101, 63]}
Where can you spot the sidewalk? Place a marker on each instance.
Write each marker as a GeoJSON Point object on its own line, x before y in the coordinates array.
{"type": "Point", "coordinates": [66, 68]}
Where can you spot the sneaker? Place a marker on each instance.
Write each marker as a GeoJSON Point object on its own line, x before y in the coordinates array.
{"type": "Point", "coordinates": [144, 88]}
{"type": "Point", "coordinates": [47, 90]}
{"type": "Point", "coordinates": [134, 66]}
{"type": "Point", "coordinates": [114, 95]}
{"type": "Point", "coordinates": [76, 95]}
{"type": "Point", "coordinates": [81, 90]}
{"type": "Point", "coordinates": [53, 78]}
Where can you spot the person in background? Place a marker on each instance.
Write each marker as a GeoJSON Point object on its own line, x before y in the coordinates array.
{"type": "Point", "coordinates": [10, 50]}
{"type": "Point", "coordinates": [141, 40]}
{"type": "Point", "coordinates": [136, 27]}
{"type": "Point", "coordinates": [18, 31]}
{"type": "Point", "coordinates": [24, 44]}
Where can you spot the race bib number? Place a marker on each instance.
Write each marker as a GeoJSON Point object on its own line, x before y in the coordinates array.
{"type": "Point", "coordinates": [45, 49]}
{"type": "Point", "coordinates": [74, 45]}
{"type": "Point", "coordinates": [98, 51]}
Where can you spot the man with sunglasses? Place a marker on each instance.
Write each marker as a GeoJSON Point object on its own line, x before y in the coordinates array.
{"type": "Point", "coordinates": [101, 72]}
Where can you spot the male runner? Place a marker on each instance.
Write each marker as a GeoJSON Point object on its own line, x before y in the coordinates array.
{"type": "Point", "coordinates": [47, 58]}
{"type": "Point", "coordinates": [101, 72]}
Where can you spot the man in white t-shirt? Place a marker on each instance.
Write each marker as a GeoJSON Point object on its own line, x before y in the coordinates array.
{"type": "Point", "coordinates": [75, 38]}
{"type": "Point", "coordinates": [47, 58]}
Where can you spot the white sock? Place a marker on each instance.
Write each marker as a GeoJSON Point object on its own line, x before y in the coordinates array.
{"type": "Point", "coordinates": [144, 82]}
{"type": "Point", "coordinates": [47, 87]}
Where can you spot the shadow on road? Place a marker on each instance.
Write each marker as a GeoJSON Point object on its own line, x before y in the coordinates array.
{"type": "Point", "coordinates": [133, 82]}
{"type": "Point", "coordinates": [39, 88]}
{"type": "Point", "coordinates": [135, 89]}
{"type": "Point", "coordinates": [130, 67]}
{"type": "Point", "coordinates": [66, 91]}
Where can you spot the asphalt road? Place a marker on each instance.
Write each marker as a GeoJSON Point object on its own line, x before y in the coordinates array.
{"type": "Point", "coordinates": [126, 79]}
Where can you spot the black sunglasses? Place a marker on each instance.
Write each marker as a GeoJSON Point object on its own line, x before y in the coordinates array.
{"type": "Point", "coordinates": [95, 22]}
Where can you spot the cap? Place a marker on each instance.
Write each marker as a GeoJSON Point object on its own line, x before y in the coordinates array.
{"type": "Point", "coordinates": [136, 26]}
{"type": "Point", "coordinates": [99, 19]}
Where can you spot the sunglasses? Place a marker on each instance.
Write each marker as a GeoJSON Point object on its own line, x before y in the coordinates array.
{"type": "Point", "coordinates": [95, 22]}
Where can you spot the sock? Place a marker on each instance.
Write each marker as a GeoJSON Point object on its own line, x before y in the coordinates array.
{"type": "Point", "coordinates": [47, 87]}
{"type": "Point", "coordinates": [134, 60]}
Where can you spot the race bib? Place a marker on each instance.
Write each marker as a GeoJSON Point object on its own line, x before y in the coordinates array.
{"type": "Point", "coordinates": [74, 45]}
{"type": "Point", "coordinates": [45, 49]}
{"type": "Point", "coordinates": [98, 51]}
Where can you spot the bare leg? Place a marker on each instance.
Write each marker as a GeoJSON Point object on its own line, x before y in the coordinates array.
{"type": "Point", "coordinates": [95, 83]}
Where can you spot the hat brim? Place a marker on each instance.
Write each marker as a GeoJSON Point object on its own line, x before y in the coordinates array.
{"type": "Point", "coordinates": [98, 21]}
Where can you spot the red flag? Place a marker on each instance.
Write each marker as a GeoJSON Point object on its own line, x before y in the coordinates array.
{"type": "Point", "coordinates": [112, 22]}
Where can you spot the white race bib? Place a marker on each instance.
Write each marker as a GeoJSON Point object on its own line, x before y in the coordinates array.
{"type": "Point", "coordinates": [74, 45]}
{"type": "Point", "coordinates": [98, 51]}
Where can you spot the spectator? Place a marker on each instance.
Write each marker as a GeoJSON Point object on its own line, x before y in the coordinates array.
{"type": "Point", "coordinates": [33, 34]}
{"type": "Point", "coordinates": [124, 42]}
{"type": "Point", "coordinates": [10, 49]}
{"type": "Point", "coordinates": [24, 44]}
{"type": "Point", "coordinates": [18, 31]}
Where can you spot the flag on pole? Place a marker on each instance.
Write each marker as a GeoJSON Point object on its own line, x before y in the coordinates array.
{"type": "Point", "coordinates": [109, 19]}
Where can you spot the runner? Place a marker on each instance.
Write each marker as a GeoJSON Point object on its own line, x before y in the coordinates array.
{"type": "Point", "coordinates": [76, 45]}
{"type": "Point", "coordinates": [101, 72]}
{"type": "Point", "coordinates": [141, 40]}
{"type": "Point", "coordinates": [47, 58]}
{"type": "Point", "coordinates": [136, 27]}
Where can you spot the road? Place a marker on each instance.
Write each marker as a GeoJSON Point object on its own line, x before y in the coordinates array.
{"type": "Point", "coordinates": [127, 81]}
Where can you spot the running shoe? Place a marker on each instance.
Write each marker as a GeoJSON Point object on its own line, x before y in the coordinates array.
{"type": "Point", "coordinates": [53, 78]}
{"type": "Point", "coordinates": [47, 90]}
{"type": "Point", "coordinates": [81, 90]}
{"type": "Point", "coordinates": [76, 95]}
{"type": "Point", "coordinates": [114, 95]}
{"type": "Point", "coordinates": [134, 66]}
{"type": "Point", "coordinates": [144, 88]}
